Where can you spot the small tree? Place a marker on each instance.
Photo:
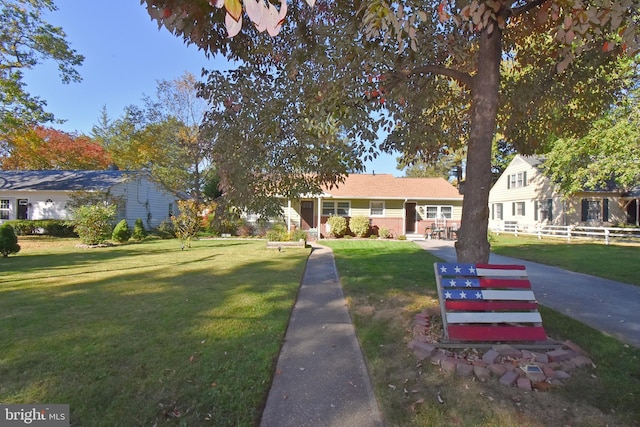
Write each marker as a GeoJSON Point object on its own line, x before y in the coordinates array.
{"type": "Point", "coordinates": [359, 225]}
{"type": "Point", "coordinates": [187, 223]}
{"type": "Point", "coordinates": [338, 225]}
{"type": "Point", "coordinates": [93, 223]}
{"type": "Point", "coordinates": [139, 232]}
{"type": "Point", "coordinates": [121, 232]}
{"type": "Point", "coordinates": [8, 241]}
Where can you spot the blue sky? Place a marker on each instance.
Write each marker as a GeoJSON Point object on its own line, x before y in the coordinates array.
{"type": "Point", "coordinates": [125, 55]}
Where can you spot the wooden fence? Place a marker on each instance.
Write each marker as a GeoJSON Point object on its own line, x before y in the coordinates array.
{"type": "Point", "coordinates": [569, 232]}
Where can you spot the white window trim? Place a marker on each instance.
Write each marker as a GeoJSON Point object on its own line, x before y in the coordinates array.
{"type": "Point", "coordinates": [371, 214]}
{"type": "Point", "coordinates": [335, 207]}
{"type": "Point", "coordinates": [439, 214]}
{"type": "Point", "coordinates": [8, 209]}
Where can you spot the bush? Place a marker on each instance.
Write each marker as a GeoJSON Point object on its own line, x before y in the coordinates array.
{"type": "Point", "coordinates": [277, 233]}
{"type": "Point", "coordinates": [8, 241]}
{"type": "Point", "coordinates": [93, 222]}
{"type": "Point", "coordinates": [359, 225]}
{"type": "Point", "coordinates": [384, 233]}
{"type": "Point", "coordinates": [166, 230]}
{"type": "Point", "coordinates": [298, 235]}
{"type": "Point", "coordinates": [338, 226]}
{"type": "Point", "coordinates": [139, 233]}
{"type": "Point", "coordinates": [48, 227]}
{"type": "Point", "coordinates": [121, 232]}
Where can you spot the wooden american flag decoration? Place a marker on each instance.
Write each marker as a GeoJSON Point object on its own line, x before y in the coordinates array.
{"type": "Point", "coordinates": [487, 302]}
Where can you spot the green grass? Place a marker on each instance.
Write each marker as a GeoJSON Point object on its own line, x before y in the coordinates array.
{"type": "Point", "coordinates": [145, 333]}
{"type": "Point", "coordinates": [613, 262]}
{"type": "Point", "coordinates": [387, 283]}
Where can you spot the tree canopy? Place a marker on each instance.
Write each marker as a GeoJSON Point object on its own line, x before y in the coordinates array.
{"type": "Point", "coordinates": [608, 155]}
{"type": "Point", "coordinates": [432, 76]}
{"type": "Point", "coordinates": [27, 39]}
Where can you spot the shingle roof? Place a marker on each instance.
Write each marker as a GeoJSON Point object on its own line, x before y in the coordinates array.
{"type": "Point", "coordinates": [386, 186]}
{"type": "Point", "coordinates": [57, 180]}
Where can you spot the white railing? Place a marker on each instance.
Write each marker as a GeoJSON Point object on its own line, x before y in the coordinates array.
{"type": "Point", "coordinates": [568, 232]}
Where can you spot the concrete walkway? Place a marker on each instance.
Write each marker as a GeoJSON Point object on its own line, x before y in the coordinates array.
{"type": "Point", "coordinates": [609, 306]}
{"type": "Point", "coordinates": [321, 377]}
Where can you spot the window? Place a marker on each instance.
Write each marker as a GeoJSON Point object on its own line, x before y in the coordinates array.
{"type": "Point", "coordinates": [517, 209]}
{"type": "Point", "coordinates": [433, 212]}
{"type": "Point", "coordinates": [4, 208]}
{"type": "Point", "coordinates": [496, 212]}
{"type": "Point", "coordinates": [376, 209]}
{"type": "Point", "coordinates": [517, 180]}
{"type": "Point", "coordinates": [592, 210]}
{"type": "Point", "coordinates": [336, 208]}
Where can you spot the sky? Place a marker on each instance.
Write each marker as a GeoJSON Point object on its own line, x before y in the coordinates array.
{"type": "Point", "coordinates": [125, 56]}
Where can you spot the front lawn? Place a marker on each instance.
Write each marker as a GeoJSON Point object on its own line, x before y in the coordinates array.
{"type": "Point", "coordinates": [387, 283]}
{"type": "Point", "coordinates": [145, 333]}
{"type": "Point", "coordinates": [615, 262]}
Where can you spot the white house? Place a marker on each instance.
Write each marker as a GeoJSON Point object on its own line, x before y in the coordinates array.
{"type": "Point", "coordinates": [44, 194]}
{"type": "Point", "coordinates": [523, 195]}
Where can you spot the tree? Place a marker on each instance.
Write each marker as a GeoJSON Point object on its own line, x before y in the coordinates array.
{"type": "Point", "coordinates": [8, 241]}
{"type": "Point", "coordinates": [434, 75]}
{"type": "Point", "coordinates": [163, 136]}
{"type": "Point", "coordinates": [188, 222]}
{"type": "Point", "coordinates": [46, 148]}
{"type": "Point", "coordinates": [26, 41]}
{"type": "Point", "coordinates": [607, 155]}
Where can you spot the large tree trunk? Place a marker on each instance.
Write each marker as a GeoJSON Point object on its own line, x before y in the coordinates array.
{"type": "Point", "coordinates": [472, 245]}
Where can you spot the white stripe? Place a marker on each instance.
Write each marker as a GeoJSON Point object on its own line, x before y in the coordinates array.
{"type": "Point", "coordinates": [494, 317]}
{"type": "Point", "coordinates": [508, 295]}
{"type": "Point", "coordinates": [491, 272]}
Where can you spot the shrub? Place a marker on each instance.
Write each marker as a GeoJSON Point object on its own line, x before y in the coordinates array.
{"type": "Point", "coordinates": [277, 233]}
{"type": "Point", "coordinates": [139, 232]}
{"type": "Point", "coordinates": [121, 232]}
{"type": "Point", "coordinates": [359, 225]}
{"type": "Point", "coordinates": [298, 235]}
{"type": "Point", "coordinates": [166, 230]}
{"type": "Point", "coordinates": [384, 233]}
{"type": "Point", "coordinates": [402, 237]}
{"type": "Point", "coordinates": [8, 241]}
{"type": "Point", "coordinates": [338, 226]}
{"type": "Point", "coordinates": [93, 222]}
{"type": "Point", "coordinates": [48, 227]}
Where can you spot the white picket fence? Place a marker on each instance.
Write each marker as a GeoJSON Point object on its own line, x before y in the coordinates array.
{"type": "Point", "coordinates": [569, 232]}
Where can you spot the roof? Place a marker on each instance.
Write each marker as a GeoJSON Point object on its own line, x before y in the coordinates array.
{"type": "Point", "coordinates": [60, 180]}
{"type": "Point", "coordinates": [386, 186]}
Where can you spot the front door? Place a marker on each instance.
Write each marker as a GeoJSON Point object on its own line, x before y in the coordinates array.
{"type": "Point", "coordinates": [307, 214]}
{"type": "Point", "coordinates": [23, 209]}
{"type": "Point", "coordinates": [410, 218]}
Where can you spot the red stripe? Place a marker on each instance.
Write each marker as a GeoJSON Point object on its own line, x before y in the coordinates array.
{"type": "Point", "coordinates": [497, 333]}
{"type": "Point", "coordinates": [504, 283]}
{"type": "Point", "coordinates": [501, 266]}
{"type": "Point", "coordinates": [489, 305]}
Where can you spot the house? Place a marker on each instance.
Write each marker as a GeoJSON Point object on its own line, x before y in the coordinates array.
{"type": "Point", "coordinates": [43, 194]}
{"type": "Point", "coordinates": [523, 195]}
{"type": "Point", "coordinates": [405, 206]}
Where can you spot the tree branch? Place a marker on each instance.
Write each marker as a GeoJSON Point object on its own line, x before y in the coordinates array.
{"type": "Point", "coordinates": [527, 7]}
{"type": "Point", "coordinates": [465, 79]}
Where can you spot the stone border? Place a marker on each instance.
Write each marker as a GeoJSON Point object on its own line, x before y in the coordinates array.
{"type": "Point", "coordinates": [537, 368]}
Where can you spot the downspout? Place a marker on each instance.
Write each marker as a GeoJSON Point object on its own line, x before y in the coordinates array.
{"type": "Point", "coordinates": [289, 215]}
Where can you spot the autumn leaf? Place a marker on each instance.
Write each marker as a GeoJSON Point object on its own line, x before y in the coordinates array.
{"type": "Point", "coordinates": [234, 9]}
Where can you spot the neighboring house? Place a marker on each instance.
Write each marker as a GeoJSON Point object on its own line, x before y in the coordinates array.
{"type": "Point", "coordinates": [405, 206]}
{"type": "Point", "coordinates": [44, 194]}
{"type": "Point", "coordinates": [523, 195]}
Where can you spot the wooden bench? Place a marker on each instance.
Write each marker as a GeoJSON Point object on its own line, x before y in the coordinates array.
{"type": "Point", "coordinates": [487, 302]}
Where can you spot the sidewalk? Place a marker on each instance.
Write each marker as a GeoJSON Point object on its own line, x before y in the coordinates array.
{"type": "Point", "coordinates": [609, 306]}
{"type": "Point", "coordinates": [321, 378]}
